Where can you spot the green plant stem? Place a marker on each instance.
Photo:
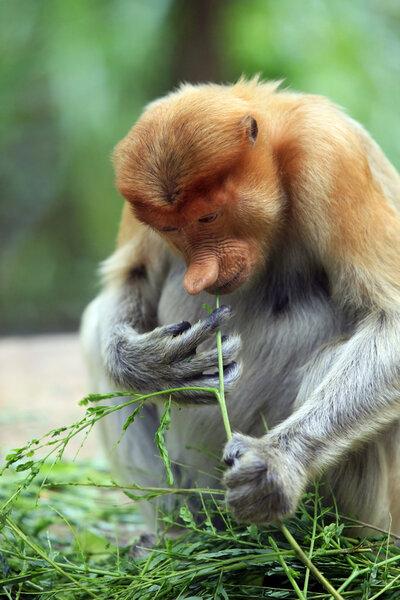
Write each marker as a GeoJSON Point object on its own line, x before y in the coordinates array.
{"type": "Point", "coordinates": [307, 562]}
{"type": "Point", "coordinates": [357, 572]}
{"type": "Point", "coordinates": [388, 586]}
{"type": "Point", "coordinates": [17, 531]}
{"type": "Point", "coordinates": [136, 487]}
{"type": "Point", "coordinates": [221, 392]}
{"type": "Point", "coordinates": [314, 533]}
{"type": "Point", "coordinates": [286, 569]}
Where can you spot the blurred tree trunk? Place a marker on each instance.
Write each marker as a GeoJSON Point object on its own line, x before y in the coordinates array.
{"type": "Point", "coordinates": [197, 48]}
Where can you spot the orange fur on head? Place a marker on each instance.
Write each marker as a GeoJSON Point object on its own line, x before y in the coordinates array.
{"type": "Point", "coordinates": [180, 142]}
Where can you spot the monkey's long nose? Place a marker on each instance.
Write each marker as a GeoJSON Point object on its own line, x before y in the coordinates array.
{"type": "Point", "coordinates": [201, 273]}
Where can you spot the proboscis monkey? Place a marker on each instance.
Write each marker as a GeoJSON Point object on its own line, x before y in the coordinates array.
{"type": "Point", "coordinates": [287, 207]}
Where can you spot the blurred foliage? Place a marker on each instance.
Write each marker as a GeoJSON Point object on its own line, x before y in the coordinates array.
{"type": "Point", "coordinates": [348, 51]}
{"type": "Point", "coordinates": [74, 76]}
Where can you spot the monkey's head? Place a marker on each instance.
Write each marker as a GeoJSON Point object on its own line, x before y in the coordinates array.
{"type": "Point", "coordinates": [199, 170]}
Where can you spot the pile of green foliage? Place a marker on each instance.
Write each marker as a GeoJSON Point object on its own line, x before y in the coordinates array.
{"type": "Point", "coordinates": [69, 532]}
{"type": "Point", "coordinates": [70, 535]}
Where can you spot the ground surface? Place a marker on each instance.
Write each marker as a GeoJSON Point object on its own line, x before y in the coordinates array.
{"type": "Point", "coordinates": [42, 379]}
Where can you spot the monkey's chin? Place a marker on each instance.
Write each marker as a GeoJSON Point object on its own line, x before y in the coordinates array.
{"type": "Point", "coordinates": [231, 285]}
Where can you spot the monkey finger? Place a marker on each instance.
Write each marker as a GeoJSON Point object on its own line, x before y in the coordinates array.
{"type": "Point", "coordinates": [244, 507]}
{"type": "Point", "coordinates": [194, 396]}
{"type": "Point", "coordinates": [249, 470]}
{"type": "Point", "coordinates": [219, 316]}
{"type": "Point", "coordinates": [188, 341]}
{"type": "Point", "coordinates": [254, 491]}
{"type": "Point", "coordinates": [236, 448]}
{"type": "Point", "coordinates": [257, 492]}
{"type": "Point", "coordinates": [178, 328]}
{"type": "Point", "coordinates": [232, 376]}
{"type": "Point", "coordinates": [254, 505]}
{"type": "Point", "coordinates": [197, 363]}
{"type": "Point", "coordinates": [173, 330]}
{"type": "Point", "coordinates": [231, 345]}
{"type": "Point", "coordinates": [232, 372]}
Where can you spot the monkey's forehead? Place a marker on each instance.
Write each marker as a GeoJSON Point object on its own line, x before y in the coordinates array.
{"type": "Point", "coordinates": [163, 160]}
{"type": "Point", "coordinates": [182, 213]}
{"type": "Point", "coordinates": [202, 120]}
{"type": "Point", "coordinates": [189, 137]}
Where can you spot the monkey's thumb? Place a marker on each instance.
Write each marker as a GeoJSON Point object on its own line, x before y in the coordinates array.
{"type": "Point", "coordinates": [201, 273]}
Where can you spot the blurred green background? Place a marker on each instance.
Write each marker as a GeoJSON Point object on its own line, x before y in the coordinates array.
{"type": "Point", "coordinates": [74, 76]}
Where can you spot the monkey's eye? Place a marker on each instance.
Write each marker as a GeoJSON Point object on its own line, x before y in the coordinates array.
{"type": "Point", "coordinates": [208, 218]}
{"type": "Point", "coordinates": [164, 229]}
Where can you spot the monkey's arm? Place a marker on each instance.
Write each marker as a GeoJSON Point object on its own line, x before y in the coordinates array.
{"type": "Point", "coordinates": [342, 194]}
{"type": "Point", "coordinates": [121, 338]}
{"type": "Point", "coordinates": [351, 392]}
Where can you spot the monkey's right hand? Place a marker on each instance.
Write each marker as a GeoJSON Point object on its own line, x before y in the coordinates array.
{"type": "Point", "coordinates": [166, 358]}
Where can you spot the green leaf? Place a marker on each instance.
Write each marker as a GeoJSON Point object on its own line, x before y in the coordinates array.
{"type": "Point", "coordinates": [187, 517]}
{"type": "Point", "coordinates": [25, 466]}
{"type": "Point", "coordinates": [91, 543]}
{"type": "Point", "coordinates": [159, 438]}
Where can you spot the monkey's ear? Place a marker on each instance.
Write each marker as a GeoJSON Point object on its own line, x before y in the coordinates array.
{"type": "Point", "coordinates": [251, 127]}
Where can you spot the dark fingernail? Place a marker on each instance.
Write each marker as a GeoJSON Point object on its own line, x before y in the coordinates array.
{"type": "Point", "coordinates": [215, 316]}
{"type": "Point", "coordinates": [190, 356]}
{"type": "Point", "coordinates": [180, 328]}
{"type": "Point", "coordinates": [222, 309]}
{"type": "Point", "coordinates": [230, 367]}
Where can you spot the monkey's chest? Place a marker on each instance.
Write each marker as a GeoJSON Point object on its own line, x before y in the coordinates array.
{"type": "Point", "coordinates": [276, 343]}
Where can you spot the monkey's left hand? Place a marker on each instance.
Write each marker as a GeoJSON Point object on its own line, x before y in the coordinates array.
{"type": "Point", "coordinates": [263, 483]}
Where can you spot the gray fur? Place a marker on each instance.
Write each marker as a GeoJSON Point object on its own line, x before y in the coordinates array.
{"type": "Point", "coordinates": [327, 386]}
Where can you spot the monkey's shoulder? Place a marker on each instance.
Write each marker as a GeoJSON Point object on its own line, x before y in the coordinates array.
{"type": "Point", "coordinates": [144, 257]}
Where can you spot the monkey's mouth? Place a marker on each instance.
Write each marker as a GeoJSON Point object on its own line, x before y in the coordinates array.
{"type": "Point", "coordinates": [231, 285]}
